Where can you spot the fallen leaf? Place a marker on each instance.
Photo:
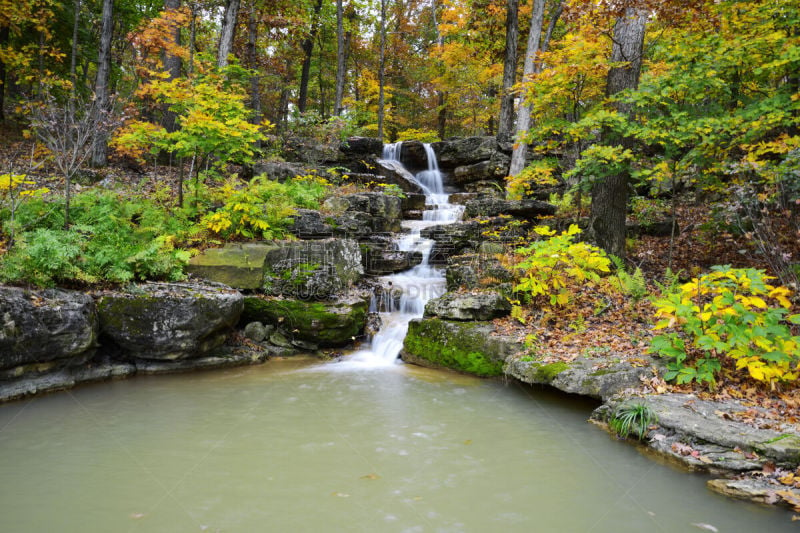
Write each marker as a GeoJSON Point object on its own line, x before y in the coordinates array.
{"type": "Point", "coordinates": [371, 476]}
{"type": "Point", "coordinates": [340, 494]}
{"type": "Point", "coordinates": [768, 468]}
{"type": "Point", "coordinates": [705, 459]}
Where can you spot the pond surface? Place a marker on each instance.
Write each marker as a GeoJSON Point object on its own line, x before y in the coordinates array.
{"type": "Point", "coordinates": [302, 446]}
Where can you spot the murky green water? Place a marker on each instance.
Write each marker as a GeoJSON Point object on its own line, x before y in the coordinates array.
{"type": "Point", "coordinates": [285, 447]}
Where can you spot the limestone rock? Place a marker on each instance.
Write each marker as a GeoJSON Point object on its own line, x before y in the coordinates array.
{"type": "Point", "coordinates": [467, 347]}
{"type": "Point", "coordinates": [461, 198]}
{"type": "Point", "coordinates": [381, 259]}
{"type": "Point", "coordinates": [490, 207]}
{"type": "Point", "coordinates": [282, 171]}
{"type": "Point", "coordinates": [583, 375]}
{"type": "Point", "coordinates": [237, 265]}
{"type": "Point", "coordinates": [385, 212]}
{"type": "Point", "coordinates": [312, 269]}
{"type": "Point", "coordinates": [326, 324]}
{"type": "Point", "coordinates": [484, 305]}
{"type": "Point", "coordinates": [362, 147]}
{"type": "Point", "coordinates": [472, 271]}
{"type": "Point", "coordinates": [491, 169]}
{"type": "Point", "coordinates": [395, 173]}
{"type": "Point", "coordinates": [465, 151]}
{"type": "Point", "coordinates": [257, 332]}
{"type": "Point", "coordinates": [169, 321]}
{"type": "Point", "coordinates": [45, 328]}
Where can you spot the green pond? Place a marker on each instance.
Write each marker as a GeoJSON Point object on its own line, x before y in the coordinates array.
{"type": "Point", "coordinates": [300, 445]}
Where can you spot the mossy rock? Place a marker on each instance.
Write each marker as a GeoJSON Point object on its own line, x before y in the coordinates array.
{"type": "Point", "coordinates": [466, 347]}
{"type": "Point", "coordinates": [327, 324]}
{"type": "Point", "coordinates": [238, 265]}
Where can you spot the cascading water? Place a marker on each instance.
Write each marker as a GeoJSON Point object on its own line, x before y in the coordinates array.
{"type": "Point", "coordinates": [411, 289]}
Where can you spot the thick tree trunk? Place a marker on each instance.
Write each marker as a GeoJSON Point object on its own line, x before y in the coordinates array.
{"type": "Point", "coordinates": [381, 69]}
{"type": "Point", "coordinates": [308, 50]}
{"type": "Point", "coordinates": [523, 120]}
{"type": "Point", "coordinates": [610, 195]}
{"type": "Point", "coordinates": [340, 58]}
{"type": "Point", "coordinates": [101, 91]}
{"type": "Point", "coordinates": [4, 35]}
{"type": "Point", "coordinates": [228, 30]}
{"type": "Point", "coordinates": [172, 64]}
{"type": "Point", "coordinates": [505, 124]}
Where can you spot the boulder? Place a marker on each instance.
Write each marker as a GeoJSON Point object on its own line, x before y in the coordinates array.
{"type": "Point", "coordinates": [461, 198]}
{"type": "Point", "coordinates": [412, 155]}
{"type": "Point", "coordinates": [454, 239]}
{"type": "Point", "coordinates": [492, 188]}
{"type": "Point", "coordinates": [238, 265]}
{"type": "Point", "coordinates": [385, 210]}
{"type": "Point", "coordinates": [584, 375]}
{"type": "Point", "coordinates": [41, 330]}
{"type": "Point", "coordinates": [379, 261]}
{"type": "Point", "coordinates": [394, 172]}
{"type": "Point", "coordinates": [465, 151]}
{"type": "Point", "coordinates": [661, 228]}
{"type": "Point", "coordinates": [491, 169]}
{"type": "Point", "coordinates": [257, 332]}
{"type": "Point", "coordinates": [311, 151]}
{"type": "Point", "coordinates": [311, 224]}
{"type": "Point", "coordinates": [326, 324]}
{"type": "Point", "coordinates": [362, 147]}
{"type": "Point", "coordinates": [472, 271]}
{"type": "Point", "coordinates": [468, 347]}
{"type": "Point", "coordinates": [413, 202]}
{"type": "Point", "coordinates": [312, 269]}
{"type": "Point", "coordinates": [491, 207]}
{"type": "Point", "coordinates": [169, 321]}
{"type": "Point", "coordinates": [483, 305]}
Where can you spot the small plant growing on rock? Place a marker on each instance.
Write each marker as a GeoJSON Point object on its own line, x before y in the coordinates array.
{"type": "Point", "coordinates": [632, 418]}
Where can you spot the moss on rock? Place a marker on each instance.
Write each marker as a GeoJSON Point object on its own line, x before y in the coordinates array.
{"type": "Point", "coordinates": [464, 346]}
{"type": "Point", "coordinates": [324, 323]}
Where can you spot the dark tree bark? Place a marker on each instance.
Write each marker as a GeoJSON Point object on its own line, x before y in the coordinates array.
{"type": "Point", "coordinates": [73, 58]}
{"type": "Point", "coordinates": [381, 70]}
{"type": "Point", "coordinates": [523, 120]}
{"type": "Point", "coordinates": [610, 195]}
{"type": "Point", "coordinates": [340, 58]}
{"type": "Point", "coordinates": [101, 90]}
{"type": "Point", "coordinates": [228, 30]}
{"type": "Point", "coordinates": [252, 63]}
{"type": "Point", "coordinates": [308, 51]}
{"type": "Point", "coordinates": [505, 124]}
{"type": "Point", "coordinates": [4, 35]}
{"type": "Point", "coordinates": [172, 64]}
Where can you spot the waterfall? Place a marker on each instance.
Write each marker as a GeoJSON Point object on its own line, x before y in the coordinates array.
{"type": "Point", "coordinates": [411, 289]}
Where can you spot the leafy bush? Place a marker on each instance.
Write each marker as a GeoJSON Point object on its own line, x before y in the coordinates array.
{"type": "Point", "coordinates": [424, 136]}
{"type": "Point", "coordinates": [263, 208]}
{"type": "Point", "coordinates": [557, 266]}
{"type": "Point", "coordinates": [539, 173]}
{"type": "Point", "coordinates": [729, 313]}
{"type": "Point", "coordinates": [110, 240]}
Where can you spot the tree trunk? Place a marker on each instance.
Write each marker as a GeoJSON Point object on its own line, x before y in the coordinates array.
{"type": "Point", "coordinates": [381, 69]}
{"type": "Point", "coordinates": [505, 124]}
{"type": "Point", "coordinates": [192, 39]}
{"type": "Point", "coordinates": [100, 151]}
{"type": "Point", "coordinates": [4, 35]}
{"type": "Point", "coordinates": [252, 63]}
{"type": "Point", "coordinates": [73, 58]}
{"type": "Point", "coordinates": [523, 120]}
{"type": "Point", "coordinates": [172, 64]}
{"type": "Point", "coordinates": [340, 58]}
{"type": "Point", "coordinates": [610, 195]}
{"type": "Point", "coordinates": [226, 35]}
{"type": "Point", "coordinates": [308, 50]}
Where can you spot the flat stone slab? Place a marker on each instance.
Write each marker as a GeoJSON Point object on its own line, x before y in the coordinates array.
{"type": "Point", "coordinates": [237, 265]}
{"type": "Point", "coordinates": [475, 305]}
{"type": "Point", "coordinates": [591, 377]}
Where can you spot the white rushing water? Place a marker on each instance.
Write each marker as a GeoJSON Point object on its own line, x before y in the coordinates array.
{"type": "Point", "coordinates": [411, 289]}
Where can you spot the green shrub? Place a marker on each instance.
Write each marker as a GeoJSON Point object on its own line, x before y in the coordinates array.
{"type": "Point", "coordinates": [632, 418]}
{"type": "Point", "coordinates": [728, 313]}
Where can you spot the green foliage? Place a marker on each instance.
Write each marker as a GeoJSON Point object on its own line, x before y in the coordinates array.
{"type": "Point", "coordinates": [632, 418]}
{"type": "Point", "coordinates": [600, 161]}
{"type": "Point", "coordinates": [555, 267]}
{"type": "Point", "coordinates": [263, 208]}
{"type": "Point", "coordinates": [110, 241]}
{"type": "Point", "coordinates": [633, 285]}
{"type": "Point", "coordinates": [729, 313]}
{"type": "Point", "coordinates": [423, 136]}
{"type": "Point", "coordinates": [539, 173]}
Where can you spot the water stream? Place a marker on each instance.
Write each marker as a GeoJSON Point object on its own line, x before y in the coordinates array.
{"type": "Point", "coordinates": [412, 289]}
